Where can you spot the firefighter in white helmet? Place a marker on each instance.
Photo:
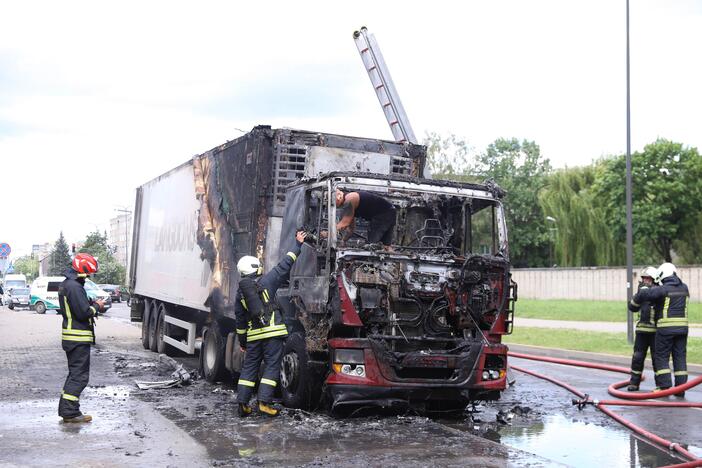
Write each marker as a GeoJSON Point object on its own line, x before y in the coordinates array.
{"type": "Point", "coordinates": [260, 328]}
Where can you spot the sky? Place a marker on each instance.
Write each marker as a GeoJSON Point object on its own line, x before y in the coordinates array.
{"type": "Point", "coordinates": [97, 98]}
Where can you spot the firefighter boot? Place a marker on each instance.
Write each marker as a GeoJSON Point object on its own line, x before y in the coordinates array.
{"type": "Point", "coordinates": [267, 408]}
{"type": "Point", "coordinates": [244, 410]}
{"type": "Point", "coordinates": [632, 387]}
{"type": "Point", "coordinates": [83, 418]}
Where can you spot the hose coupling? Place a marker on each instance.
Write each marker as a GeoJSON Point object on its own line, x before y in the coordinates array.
{"type": "Point", "coordinates": [581, 403]}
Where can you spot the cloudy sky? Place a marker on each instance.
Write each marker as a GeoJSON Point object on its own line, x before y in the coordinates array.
{"type": "Point", "coordinates": [98, 97]}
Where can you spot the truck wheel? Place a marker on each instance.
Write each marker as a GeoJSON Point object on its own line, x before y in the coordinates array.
{"type": "Point", "coordinates": [299, 384]}
{"type": "Point", "coordinates": [145, 325]}
{"type": "Point", "coordinates": [212, 354]}
{"type": "Point", "coordinates": [11, 306]}
{"type": "Point", "coordinates": [161, 346]}
{"type": "Point", "coordinates": [39, 307]}
{"type": "Point", "coordinates": [153, 322]}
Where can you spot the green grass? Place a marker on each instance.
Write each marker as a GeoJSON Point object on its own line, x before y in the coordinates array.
{"type": "Point", "coordinates": [585, 311]}
{"type": "Point", "coordinates": [597, 342]}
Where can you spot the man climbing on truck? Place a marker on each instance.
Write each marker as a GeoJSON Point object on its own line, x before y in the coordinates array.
{"type": "Point", "coordinates": [260, 328]}
{"type": "Point", "coordinates": [379, 213]}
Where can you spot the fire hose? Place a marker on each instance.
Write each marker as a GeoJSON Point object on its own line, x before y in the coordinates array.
{"type": "Point", "coordinates": [613, 390]}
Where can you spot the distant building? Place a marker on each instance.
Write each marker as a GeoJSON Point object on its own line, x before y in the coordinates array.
{"type": "Point", "coordinates": [118, 237]}
{"type": "Point", "coordinates": [45, 264]}
{"type": "Point", "coordinates": [40, 251]}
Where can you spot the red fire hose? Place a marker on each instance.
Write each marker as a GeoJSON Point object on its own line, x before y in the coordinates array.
{"type": "Point", "coordinates": [601, 404]}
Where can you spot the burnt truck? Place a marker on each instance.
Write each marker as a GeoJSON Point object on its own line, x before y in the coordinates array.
{"type": "Point", "coordinates": [418, 323]}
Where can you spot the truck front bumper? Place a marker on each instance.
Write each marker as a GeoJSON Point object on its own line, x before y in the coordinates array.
{"type": "Point", "coordinates": [381, 385]}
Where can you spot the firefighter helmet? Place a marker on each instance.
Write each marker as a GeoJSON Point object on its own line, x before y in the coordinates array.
{"type": "Point", "coordinates": [649, 271]}
{"type": "Point", "coordinates": [666, 270]}
{"type": "Point", "coordinates": [248, 265]}
{"type": "Point", "coordinates": [85, 264]}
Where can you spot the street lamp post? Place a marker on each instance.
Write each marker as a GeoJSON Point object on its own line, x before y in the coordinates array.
{"type": "Point", "coordinates": [629, 228]}
{"type": "Point", "coordinates": [552, 235]}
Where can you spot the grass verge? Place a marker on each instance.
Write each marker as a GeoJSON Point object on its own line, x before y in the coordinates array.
{"type": "Point", "coordinates": [596, 342]}
{"type": "Point", "coordinates": [585, 311]}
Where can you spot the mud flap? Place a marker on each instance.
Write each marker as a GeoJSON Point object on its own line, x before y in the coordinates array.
{"type": "Point", "coordinates": [234, 357]}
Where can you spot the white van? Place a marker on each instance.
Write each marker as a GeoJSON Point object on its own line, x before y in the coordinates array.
{"type": "Point", "coordinates": [14, 281]}
{"type": "Point", "coordinates": [44, 293]}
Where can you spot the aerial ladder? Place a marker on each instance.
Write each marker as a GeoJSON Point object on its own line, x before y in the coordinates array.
{"type": "Point", "coordinates": [384, 88]}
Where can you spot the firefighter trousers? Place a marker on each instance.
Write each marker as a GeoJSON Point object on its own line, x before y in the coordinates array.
{"type": "Point", "coordinates": [667, 344]}
{"type": "Point", "coordinates": [270, 352]}
{"type": "Point", "coordinates": [642, 342]}
{"type": "Point", "coordinates": [78, 355]}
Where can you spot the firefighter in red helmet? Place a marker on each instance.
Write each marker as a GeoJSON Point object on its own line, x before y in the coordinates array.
{"type": "Point", "coordinates": [77, 334]}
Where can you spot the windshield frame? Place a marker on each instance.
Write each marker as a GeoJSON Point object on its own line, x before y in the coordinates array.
{"type": "Point", "coordinates": [395, 188]}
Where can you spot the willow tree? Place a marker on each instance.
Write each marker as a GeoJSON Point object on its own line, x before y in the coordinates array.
{"type": "Point", "coordinates": [581, 234]}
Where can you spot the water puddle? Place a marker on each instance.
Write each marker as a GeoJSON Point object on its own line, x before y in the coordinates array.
{"type": "Point", "coordinates": [578, 443]}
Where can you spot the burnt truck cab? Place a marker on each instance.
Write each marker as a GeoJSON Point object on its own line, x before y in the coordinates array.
{"type": "Point", "coordinates": [418, 323]}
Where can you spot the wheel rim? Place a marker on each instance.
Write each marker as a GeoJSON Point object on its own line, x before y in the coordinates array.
{"type": "Point", "coordinates": [210, 352]}
{"type": "Point", "coordinates": [40, 307]}
{"type": "Point", "coordinates": [289, 371]}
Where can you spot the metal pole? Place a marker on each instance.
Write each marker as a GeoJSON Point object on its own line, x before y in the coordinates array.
{"type": "Point", "coordinates": [629, 229]}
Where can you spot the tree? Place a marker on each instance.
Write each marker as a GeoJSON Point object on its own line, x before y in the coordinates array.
{"type": "Point", "coordinates": [28, 266]}
{"type": "Point", "coordinates": [580, 231]}
{"type": "Point", "coordinates": [689, 246]}
{"type": "Point", "coordinates": [519, 168]}
{"type": "Point", "coordinates": [666, 193]}
{"type": "Point", "coordinates": [60, 258]}
{"type": "Point", "coordinates": [110, 271]}
{"type": "Point", "coordinates": [448, 157]}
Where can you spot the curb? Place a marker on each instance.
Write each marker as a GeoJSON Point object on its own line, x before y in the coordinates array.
{"type": "Point", "coordinates": [585, 356]}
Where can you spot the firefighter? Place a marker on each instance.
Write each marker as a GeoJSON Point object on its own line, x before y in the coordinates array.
{"type": "Point", "coordinates": [670, 303]}
{"type": "Point", "coordinates": [260, 328]}
{"type": "Point", "coordinates": [645, 331]}
{"type": "Point", "coordinates": [77, 334]}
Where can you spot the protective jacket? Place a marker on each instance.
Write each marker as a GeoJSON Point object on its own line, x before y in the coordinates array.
{"type": "Point", "coordinates": [77, 311]}
{"type": "Point", "coordinates": [250, 327]}
{"type": "Point", "coordinates": [647, 320]}
{"type": "Point", "coordinates": [670, 303]}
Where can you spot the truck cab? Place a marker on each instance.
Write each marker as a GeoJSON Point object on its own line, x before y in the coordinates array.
{"type": "Point", "coordinates": [418, 323]}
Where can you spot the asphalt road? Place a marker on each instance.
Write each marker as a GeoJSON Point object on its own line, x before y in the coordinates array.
{"type": "Point", "coordinates": [197, 426]}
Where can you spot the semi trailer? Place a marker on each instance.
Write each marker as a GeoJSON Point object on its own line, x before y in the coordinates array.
{"type": "Point", "coordinates": [419, 323]}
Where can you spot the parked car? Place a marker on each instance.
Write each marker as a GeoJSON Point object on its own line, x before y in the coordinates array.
{"type": "Point", "coordinates": [16, 297]}
{"type": "Point", "coordinates": [114, 290]}
{"type": "Point", "coordinates": [95, 293]}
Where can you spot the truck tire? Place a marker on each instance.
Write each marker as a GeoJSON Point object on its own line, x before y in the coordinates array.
{"type": "Point", "coordinates": [153, 322]}
{"type": "Point", "coordinates": [39, 307]}
{"type": "Point", "coordinates": [300, 387]}
{"type": "Point", "coordinates": [161, 346]}
{"type": "Point", "coordinates": [145, 325]}
{"type": "Point", "coordinates": [212, 366]}
{"type": "Point", "coordinates": [11, 306]}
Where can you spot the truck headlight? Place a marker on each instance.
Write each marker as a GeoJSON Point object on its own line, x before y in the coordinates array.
{"type": "Point", "coordinates": [349, 362]}
{"type": "Point", "coordinates": [348, 356]}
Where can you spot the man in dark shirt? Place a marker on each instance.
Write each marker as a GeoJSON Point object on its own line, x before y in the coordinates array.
{"type": "Point", "coordinates": [378, 211]}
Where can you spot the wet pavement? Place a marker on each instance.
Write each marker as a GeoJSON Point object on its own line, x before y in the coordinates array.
{"type": "Point", "coordinates": [534, 424]}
